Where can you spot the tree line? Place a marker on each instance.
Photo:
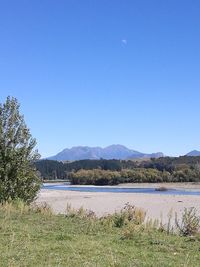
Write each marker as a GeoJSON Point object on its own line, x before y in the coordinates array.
{"type": "Point", "coordinates": [109, 172]}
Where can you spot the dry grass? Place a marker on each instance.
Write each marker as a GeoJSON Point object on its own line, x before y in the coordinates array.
{"type": "Point", "coordinates": [34, 236]}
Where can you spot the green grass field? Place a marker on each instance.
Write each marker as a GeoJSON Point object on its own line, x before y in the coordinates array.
{"type": "Point", "coordinates": [38, 238]}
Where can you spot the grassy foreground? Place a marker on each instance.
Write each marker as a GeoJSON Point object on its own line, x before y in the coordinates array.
{"type": "Point", "coordinates": [36, 237]}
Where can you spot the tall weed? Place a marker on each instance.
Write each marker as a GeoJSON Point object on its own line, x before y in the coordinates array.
{"type": "Point", "coordinates": [190, 222]}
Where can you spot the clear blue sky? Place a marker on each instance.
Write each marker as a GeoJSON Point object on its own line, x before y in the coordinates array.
{"type": "Point", "coordinates": [104, 72]}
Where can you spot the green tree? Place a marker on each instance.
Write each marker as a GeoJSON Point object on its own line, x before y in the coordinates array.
{"type": "Point", "coordinates": [18, 176]}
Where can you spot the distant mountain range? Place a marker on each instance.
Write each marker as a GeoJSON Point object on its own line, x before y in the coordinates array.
{"type": "Point", "coordinates": [110, 152]}
{"type": "Point", "coordinates": [194, 153]}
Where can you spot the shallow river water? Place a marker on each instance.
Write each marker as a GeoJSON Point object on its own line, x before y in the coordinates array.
{"type": "Point", "coordinates": [110, 189]}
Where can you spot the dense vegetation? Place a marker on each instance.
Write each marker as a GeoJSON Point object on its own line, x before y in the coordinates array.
{"type": "Point", "coordinates": [102, 177]}
{"type": "Point", "coordinates": [51, 169]}
{"type": "Point", "coordinates": [18, 176]}
{"type": "Point", "coordinates": [109, 172]}
{"type": "Point", "coordinates": [36, 237]}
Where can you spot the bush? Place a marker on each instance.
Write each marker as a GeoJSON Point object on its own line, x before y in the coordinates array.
{"type": "Point", "coordinates": [161, 188]}
{"type": "Point", "coordinates": [190, 222]}
{"type": "Point", "coordinates": [129, 214]}
{"type": "Point", "coordinates": [80, 213]}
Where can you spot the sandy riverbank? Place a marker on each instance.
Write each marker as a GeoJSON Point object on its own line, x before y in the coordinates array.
{"type": "Point", "coordinates": [104, 203]}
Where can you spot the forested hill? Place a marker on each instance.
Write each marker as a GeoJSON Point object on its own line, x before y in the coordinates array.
{"type": "Point", "coordinates": [165, 169]}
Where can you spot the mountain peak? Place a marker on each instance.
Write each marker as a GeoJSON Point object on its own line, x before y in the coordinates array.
{"type": "Point", "coordinates": [193, 153]}
{"type": "Point", "coordinates": [115, 151]}
{"type": "Point", "coordinates": [117, 146]}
